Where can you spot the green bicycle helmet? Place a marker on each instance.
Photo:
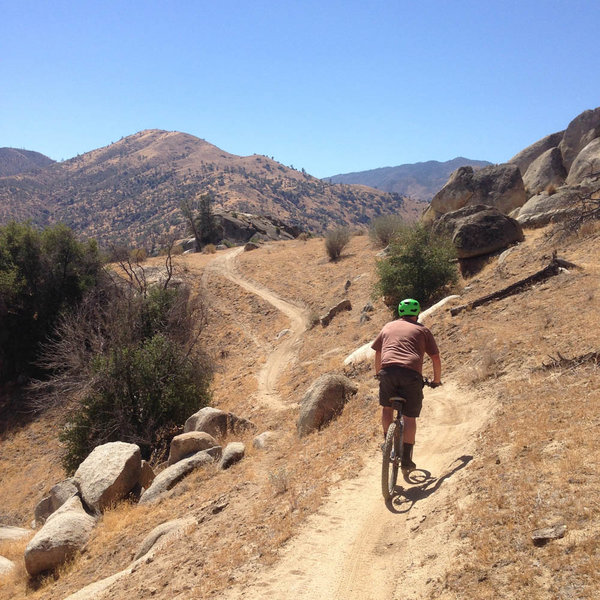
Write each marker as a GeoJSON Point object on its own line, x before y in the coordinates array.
{"type": "Point", "coordinates": [409, 308]}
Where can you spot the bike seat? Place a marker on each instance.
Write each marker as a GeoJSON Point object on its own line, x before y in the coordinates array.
{"type": "Point", "coordinates": [397, 402]}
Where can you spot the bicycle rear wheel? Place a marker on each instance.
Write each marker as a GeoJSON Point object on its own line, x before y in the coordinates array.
{"type": "Point", "coordinates": [391, 460]}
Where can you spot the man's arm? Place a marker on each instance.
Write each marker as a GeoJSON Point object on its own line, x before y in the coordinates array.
{"type": "Point", "coordinates": [377, 361]}
{"type": "Point", "coordinates": [437, 368]}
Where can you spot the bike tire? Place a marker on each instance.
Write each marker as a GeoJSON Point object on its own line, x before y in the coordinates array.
{"type": "Point", "coordinates": [390, 466]}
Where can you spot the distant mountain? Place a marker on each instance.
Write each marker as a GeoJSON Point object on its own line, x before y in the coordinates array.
{"type": "Point", "coordinates": [14, 161]}
{"type": "Point", "coordinates": [132, 189]}
{"type": "Point", "coordinates": [420, 181]}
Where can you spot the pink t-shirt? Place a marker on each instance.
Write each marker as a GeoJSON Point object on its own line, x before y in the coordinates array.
{"type": "Point", "coordinates": [404, 343]}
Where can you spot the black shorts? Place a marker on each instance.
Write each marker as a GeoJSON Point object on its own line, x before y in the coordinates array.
{"type": "Point", "coordinates": [399, 381]}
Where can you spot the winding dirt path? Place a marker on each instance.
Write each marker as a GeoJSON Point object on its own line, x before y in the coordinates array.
{"type": "Point", "coordinates": [356, 547]}
{"type": "Point", "coordinates": [286, 350]}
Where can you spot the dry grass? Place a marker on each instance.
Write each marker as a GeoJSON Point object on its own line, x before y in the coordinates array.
{"type": "Point", "coordinates": [536, 463]}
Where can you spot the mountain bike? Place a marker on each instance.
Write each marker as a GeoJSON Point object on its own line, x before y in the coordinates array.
{"type": "Point", "coordinates": [392, 447]}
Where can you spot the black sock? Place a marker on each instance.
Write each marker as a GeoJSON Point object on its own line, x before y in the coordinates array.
{"type": "Point", "coordinates": [407, 450]}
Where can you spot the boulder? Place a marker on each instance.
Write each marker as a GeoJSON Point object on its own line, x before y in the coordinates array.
{"type": "Point", "coordinates": [549, 208]}
{"type": "Point", "coordinates": [524, 158]}
{"type": "Point", "coordinates": [216, 422]}
{"type": "Point", "coordinates": [65, 533]}
{"type": "Point", "coordinates": [586, 164]}
{"type": "Point", "coordinates": [546, 170]}
{"type": "Point", "coordinates": [334, 310]}
{"type": "Point", "coordinates": [147, 475]}
{"type": "Point", "coordinates": [57, 496]}
{"type": "Point", "coordinates": [10, 533]}
{"type": "Point", "coordinates": [324, 400]}
{"type": "Point", "coordinates": [499, 186]}
{"type": "Point", "coordinates": [6, 566]}
{"type": "Point", "coordinates": [172, 475]}
{"type": "Point", "coordinates": [166, 530]}
{"type": "Point", "coordinates": [249, 246]}
{"type": "Point", "coordinates": [233, 453]}
{"type": "Point", "coordinates": [479, 230]}
{"type": "Point", "coordinates": [108, 474]}
{"type": "Point", "coordinates": [266, 439]}
{"type": "Point", "coordinates": [579, 133]}
{"type": "Point", "coordinates": [239, 228]}
{"type": "Point", "coordinates": [189, 443]}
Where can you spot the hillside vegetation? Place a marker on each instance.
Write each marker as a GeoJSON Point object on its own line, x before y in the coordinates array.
{"type": "Point", "coordinates": [524, 366]}
{"type": "Point", "coordinates": [131, 190]}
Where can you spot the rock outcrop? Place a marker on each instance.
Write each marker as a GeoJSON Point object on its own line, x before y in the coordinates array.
{"type": "Point", "coordinates": [6, 566]}
{"type": "Point", "coordinates": [547, 208]}
{"type": "Point", "coordinates": [524, 158]}
{"type": "Point", "coordinates": [479, 230]}
{"type": "Point", "coordinates": [335, 310]}
{"type": "Point", "coordinates": [580, 132]}
{"type": "Point", "coordinates": [189, 443]}
{"type": "Point", "coordinates": [108, 474]}
{"type": "Point", "coordinates": [324, 400]}
{"type": "Point", "coordinates": [586, 164]}
{"type": "Point", "coordinates": [266, 439]}
{"type": "Point", "coordinates": [172, 475]}
{"type": "Point", "coordinates": [545, 171]}
{"type": "Point", "coordinates": [65, 533]}
{"type": "Point", "coordinates": [499, 186]}
{"type": "Point", "coordinates": [161, 532]}
{"type": "Point", "coordinates": [10, 533]}
{"type": "Point", "coordinates": [58, 495]}
{"type": "Point", "coordinates": [216, 422]}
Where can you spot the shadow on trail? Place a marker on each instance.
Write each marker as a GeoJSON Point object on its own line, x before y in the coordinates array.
{"type": "Point", "coordinates": [423, 485]}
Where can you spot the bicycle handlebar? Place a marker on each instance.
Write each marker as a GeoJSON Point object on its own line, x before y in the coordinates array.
{"type": "Point", "coordinates": [430, 383]}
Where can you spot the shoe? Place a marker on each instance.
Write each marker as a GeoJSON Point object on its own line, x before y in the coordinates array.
{"type": "Point", "coordinates": [408, 465]}
{"type": "Point", "coordinates": [407, 461]}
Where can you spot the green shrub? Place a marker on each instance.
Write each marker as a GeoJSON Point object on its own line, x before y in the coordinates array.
{"type": "Point", "coordinates": [420, 265]}
{"type": "Point", "coordinates": [335, 241]}
{"type": "Point", "coordinates": [383, 230]}
{"type": "Point", "coordinates": [139, 394]}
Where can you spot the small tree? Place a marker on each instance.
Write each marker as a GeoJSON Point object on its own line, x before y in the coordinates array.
{"type": "Point", "coordinates": [200, 219]}
{"type": "Point", "coordinates": [384, 229]}
{"type": "Point", "coordinates": [335, 242]}
{"type": "Point", "coordinates": [420, 265]}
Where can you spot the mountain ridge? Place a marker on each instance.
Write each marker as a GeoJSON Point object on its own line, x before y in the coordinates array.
{"type": "Point", "coordinates": [420, 180]}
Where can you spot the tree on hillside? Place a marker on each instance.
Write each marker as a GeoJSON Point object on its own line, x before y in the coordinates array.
{"type": "Point", "coordinates": [200, 219]}
{"type": "Point", "coordinates": [43, 274]}
{"type": "Point", "coordinates": [419, 265]}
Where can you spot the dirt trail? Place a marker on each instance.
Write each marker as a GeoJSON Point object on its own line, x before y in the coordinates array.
{"type": "Point", "coordinates": [285, 352]}
{"type": "Point", "coordinates": [356, 547]}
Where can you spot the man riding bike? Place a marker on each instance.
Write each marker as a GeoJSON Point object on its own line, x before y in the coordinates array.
{"type": "Point", "coordinates": [399, 351]}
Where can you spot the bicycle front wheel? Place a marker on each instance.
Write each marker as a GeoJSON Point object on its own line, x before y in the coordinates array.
{"type": "Point", "coordinates": [391, 460]}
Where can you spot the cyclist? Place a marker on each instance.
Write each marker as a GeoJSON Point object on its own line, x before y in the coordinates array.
{"type": "Point", "coordinates": [399, 351]}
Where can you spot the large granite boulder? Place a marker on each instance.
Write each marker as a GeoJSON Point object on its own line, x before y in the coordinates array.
{"type": "Point", "coordinates": [499, 186]}
{"type": "Point", "coordinates": [579, 133]}
{"type": "Point", "coordinates": [65, 533]}
{"type": "Point", "coordinates": [323, 400]}
{"type": "Point", "coordinates": [189, 443]}
{"type": "Point", "coordinates": [57, 496]}
{"type": "Point", "coordinates": [547, 208]}
{"type": "Point", "coordinates": [479, 230]}
{"type": "Point", "coordinates": [524, 158]}
{"type": "Point", "coordinates": [545, 171]}
{"type": "Point", "coordinates": [216, 422]}
{"type": "Point", "coordinates": [233, 453]}
{"type": "Point", "coordinates": [172, 475]}
{"type": "Point", "coordinates": [10, 533]}
{"type": "Point", "coordinates": [586, 164]}
{"type": "Point", "coordinates": [108, 474]}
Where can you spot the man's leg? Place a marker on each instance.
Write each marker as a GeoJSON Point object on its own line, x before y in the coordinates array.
{"type": "Point", "coordinates": [410, 429]}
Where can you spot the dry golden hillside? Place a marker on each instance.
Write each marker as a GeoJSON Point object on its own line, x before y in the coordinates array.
{"type": "Point", "coordinates": [508, 445]}
{"type": "Point", "coordinates": [131, 190]}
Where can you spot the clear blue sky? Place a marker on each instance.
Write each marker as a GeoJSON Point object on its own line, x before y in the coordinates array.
{"type": "Point", "coordinates": [330, 86]}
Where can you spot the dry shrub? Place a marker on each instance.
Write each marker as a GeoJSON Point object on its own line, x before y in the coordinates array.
{"type": "Point", "coordinates": [550, 189]}
{"type": "Point", "coordinates": [335, 242]}
{"type": "Point", "coordinates": [209, 249]}
{"type": "Point", "coordinates": [303, 237]}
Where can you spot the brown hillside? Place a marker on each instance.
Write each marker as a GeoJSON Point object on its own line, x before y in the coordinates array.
{"type": "Point", "coordinates": [506, 446]}
{"type": "Point", "coordinates": [132, 189]}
